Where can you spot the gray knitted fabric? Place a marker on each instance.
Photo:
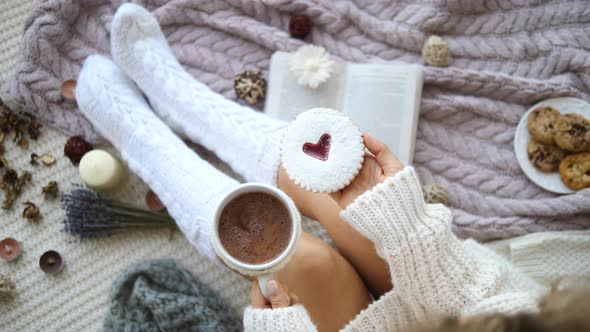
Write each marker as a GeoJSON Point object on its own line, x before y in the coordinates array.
{"type": "Point", "coordinates": [505, 56]}
{"type": "Point", "coordinates": [160, 295]}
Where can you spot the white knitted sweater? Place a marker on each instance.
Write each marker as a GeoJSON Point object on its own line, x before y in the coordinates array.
{"type": "Point", "coordinates": [433, 272]}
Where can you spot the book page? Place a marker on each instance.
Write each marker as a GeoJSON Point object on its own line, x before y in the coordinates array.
{"type": "Point", "coordinates": [384, 101]}
{"type": "Point", "coordinates": [286, 98]}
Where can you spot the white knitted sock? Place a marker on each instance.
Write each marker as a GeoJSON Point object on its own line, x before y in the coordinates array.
{"type": "Point", "coordinates": [247, 140]}
{"type": "Point", "coordinates": [188, 186]}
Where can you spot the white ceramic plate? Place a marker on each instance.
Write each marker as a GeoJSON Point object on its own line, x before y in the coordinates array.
{"type": "Point", "coordinates": [548, 181]}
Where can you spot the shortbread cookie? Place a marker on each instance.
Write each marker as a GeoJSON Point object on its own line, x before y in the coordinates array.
{"type": "Point", "coordinates": [575, 171]}
{"type": "Point", "coordinates": [322, 150]}
{"type": "Point", "coordinates": [546, 158]}
{"type": "Point", "coordinates": [541, 124]}
{"type": "Point", "coordinates": [572, 133]}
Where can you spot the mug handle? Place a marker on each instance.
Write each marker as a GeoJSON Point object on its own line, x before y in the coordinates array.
{"type": "Point", "coordinates": [262, 280]}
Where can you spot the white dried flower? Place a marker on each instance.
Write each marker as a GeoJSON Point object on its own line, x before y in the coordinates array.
{"type": "Point", "coordinates": [311, 65]}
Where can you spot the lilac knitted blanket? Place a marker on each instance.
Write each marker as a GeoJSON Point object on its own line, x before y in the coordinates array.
{"type": "Point", "coordinates": [506, 55]}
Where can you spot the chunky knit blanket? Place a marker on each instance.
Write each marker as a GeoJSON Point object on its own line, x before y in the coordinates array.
{"type": "Point", "coordinates": [506, 55]}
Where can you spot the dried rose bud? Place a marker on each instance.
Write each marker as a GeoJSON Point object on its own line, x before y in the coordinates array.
{"type": "Point", "coordinates": [75, 148]}
{"type": "Point", "coordinates": [51, 190]}
{"type": "Point", "coordinates": [68, 89]}
{"type": "Point", "coordinates": [299, 26]}
{"type": "Point", "coordinates": [31, 211]}
{"type": "Point", "coordinates": [153, 202]}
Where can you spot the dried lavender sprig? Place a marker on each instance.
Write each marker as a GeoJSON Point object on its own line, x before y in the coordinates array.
{"type": "Point", "coordinates": [88, 214]}
{"type": "Point", "coordinates": [118, 207]}
{"type": "Point", "coordinates": [83, 202]}
{"type": "Point", "coordinates": [122, 213]}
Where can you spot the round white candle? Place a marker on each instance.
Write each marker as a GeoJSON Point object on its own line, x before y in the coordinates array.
{"type": "Point", "coordinates": [100, 170]}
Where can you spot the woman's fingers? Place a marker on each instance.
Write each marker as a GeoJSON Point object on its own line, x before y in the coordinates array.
{"type": "Point", "coordinates": [279, 297]}
{"type": "Point", "coordinates": [388, 162]}
{"type": "Point", "coordinates": [294, 299]}
{"type": "Point", "coordinates": [258, 300]}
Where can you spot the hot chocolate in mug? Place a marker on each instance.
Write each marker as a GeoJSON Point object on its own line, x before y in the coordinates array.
{"type": "Point", "coordinates": [248, 216]}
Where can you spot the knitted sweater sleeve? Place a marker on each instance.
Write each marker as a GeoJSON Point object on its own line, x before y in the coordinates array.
{"type": "Point", "coordinates": [433, 270]}
{"type": "Point", "coordinates": [293, 318]}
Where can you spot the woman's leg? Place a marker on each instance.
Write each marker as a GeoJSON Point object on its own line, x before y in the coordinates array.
{"type": "Point", "coordinates": [356, 248]}
{"type": "Point", "coordinates": [327, 285]}
{"type": "Point", "coordinates": [188, 186]}
{"type": "Point", "coordinates": [247, 140]}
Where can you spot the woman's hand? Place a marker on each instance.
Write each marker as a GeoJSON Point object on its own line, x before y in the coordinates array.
{"type": "Point", "coordinates": [278, 293]}
{"type": "Point", "coordinates": [376, 168]}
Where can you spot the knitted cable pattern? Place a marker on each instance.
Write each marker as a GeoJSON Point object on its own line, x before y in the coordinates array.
{"type": "Point", "coordinates": [506, 55]}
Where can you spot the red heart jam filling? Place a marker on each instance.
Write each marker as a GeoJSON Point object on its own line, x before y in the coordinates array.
{"type": "Point", "coordinates": [319, 150]}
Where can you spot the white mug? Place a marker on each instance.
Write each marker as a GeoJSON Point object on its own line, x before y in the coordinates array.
{"type": "Point", "coordinates": [264, 271]}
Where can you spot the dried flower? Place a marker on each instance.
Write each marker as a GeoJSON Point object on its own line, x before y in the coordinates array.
{"type": "Point", "coordinates": [10, 176]}
{"type": "Point", "coordinates": [34, 158]}
{"type": "Point", "coordinates": [435, 193]}
{"type": "Point", "coordinates": [299, 26]}
{"type": "Point", "coordinates": [6, 286]}
{"type": "Point", "coordinates": [436, 52]}
{"type": "Point", "coordinates": [250, 86]}
{"type": "Point", "coordinates": [22, 180]}
{"type": "Point", "coordinates": [23, 143]}
{"type": "Point", "coordinates": [51, 190]}
{"type": "Point", "coordinates": [47, 159]}
{"type": "Point", "coordinates": [75, 148]}
{"type": "Point", "coordinates": [12, 185]}
{"type": "Point", "coordinates": [68, 89]}
{"type": "Point", "coordinates": [311, 65]}
{"type": "Point", "coordinates": [17, 124]}
{"type": "Point", "coordinates": [31, 211]}
{"type": "Point", "coordinates": [33, 129]}
{"type": "Point", "coordinates": [88, 215]}
{"type": "Point", "coordinates": [153, 202]}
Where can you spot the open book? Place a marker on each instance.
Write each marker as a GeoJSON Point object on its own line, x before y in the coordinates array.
{"type": "Point", "coordinates": [382, 99]}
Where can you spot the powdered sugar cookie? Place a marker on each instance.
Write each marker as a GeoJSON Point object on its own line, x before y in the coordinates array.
{"type": "Point", "coordinates": [322, 150]}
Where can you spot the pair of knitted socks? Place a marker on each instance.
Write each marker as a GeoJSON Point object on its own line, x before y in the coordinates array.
{"type": "Point", "coordinates": [188, 186]}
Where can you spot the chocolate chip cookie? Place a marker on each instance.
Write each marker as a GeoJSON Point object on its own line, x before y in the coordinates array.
{"type": "Point", "coordinates": [572, 133]}
{"type": "Point", "coordinates": [546, 158]}
{"type": "Point", "coordinates": [541, 124]}
{"type": "Point", "coordinates": [575, 171]}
